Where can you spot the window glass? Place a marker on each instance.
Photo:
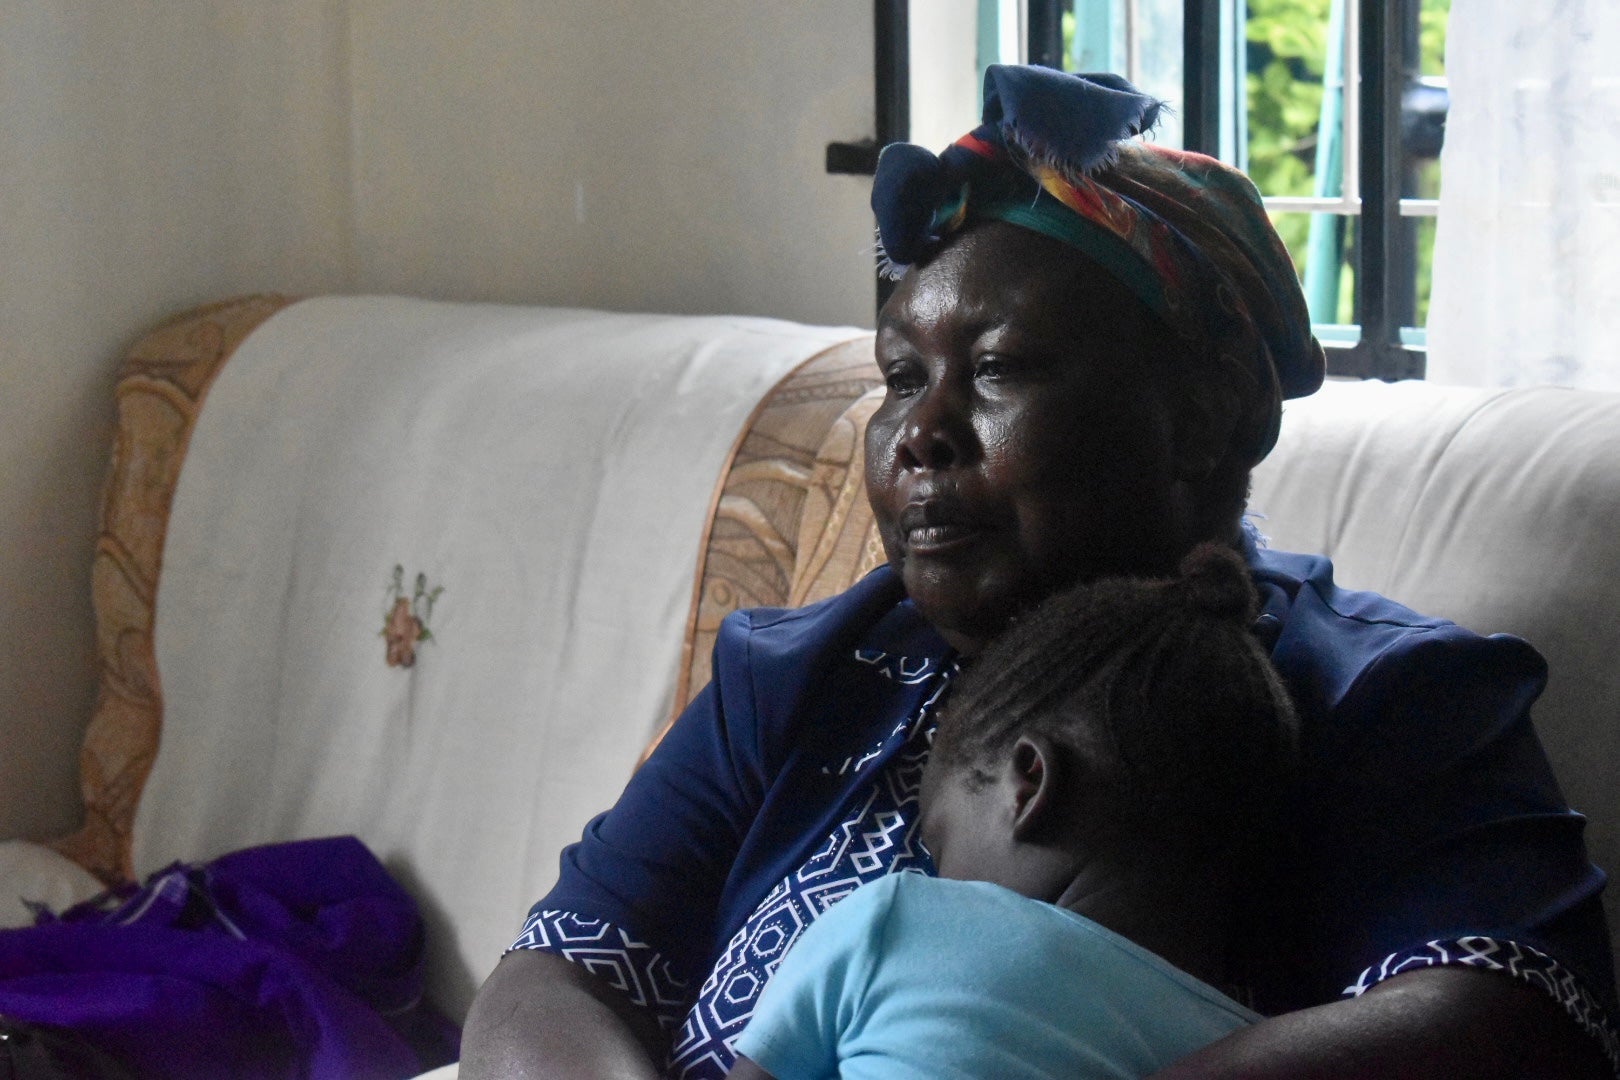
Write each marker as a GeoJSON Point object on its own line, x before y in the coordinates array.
{"type": "Point", "coordinates": [1423, 124]}
{"type": "Point", "coordinates": [1329, 240]}
{"type": "Point", "coordinates": [1296, 125]}
{"type": "Point", "coordinates": [1302, 142]}
{"type": "Point", "coordinates": [1294, 129]}
{"type": "Point", "coordinates": [1139, 39]}
{"type": "Point", "coordinates": [1289, 75]}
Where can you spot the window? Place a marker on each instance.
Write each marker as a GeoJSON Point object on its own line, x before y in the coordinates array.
{"type": "Point", "coordinates": [1335, 107]}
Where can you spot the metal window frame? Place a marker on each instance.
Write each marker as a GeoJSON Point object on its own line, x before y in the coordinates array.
{"type": "Point", "coordinates": [1373, 173]}
{"type": "Point", "coordinates": [1383, 54]}
{"type": "Point", "coordinates": [1045, 22]}
{"type": "Point", "coordinates": [891, 81]}
{"type": "Point", "coordinates": [1381, 239]}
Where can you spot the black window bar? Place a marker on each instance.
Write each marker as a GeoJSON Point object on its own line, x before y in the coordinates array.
{"type": "Point", "coordinates": [891, 79]}
{"type": "Point", "coordinates": [1386, 266]}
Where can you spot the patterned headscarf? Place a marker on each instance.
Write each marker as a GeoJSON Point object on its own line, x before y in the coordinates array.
{"type": "Point", "coordinates": [1186, 234]}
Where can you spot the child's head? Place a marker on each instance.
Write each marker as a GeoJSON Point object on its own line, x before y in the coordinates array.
{"type": "Point", "coordinates": [1135, 725]}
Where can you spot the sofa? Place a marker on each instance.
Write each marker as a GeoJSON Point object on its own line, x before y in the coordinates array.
{"type": "Point", "coordinates": [436, 575]}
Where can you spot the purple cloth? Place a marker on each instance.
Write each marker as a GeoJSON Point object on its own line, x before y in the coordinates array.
{"type": "Point", "coordinates": [291, 960]}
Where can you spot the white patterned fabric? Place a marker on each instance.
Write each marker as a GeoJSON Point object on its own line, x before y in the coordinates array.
{"type": "Point", "coordinates": [1510, 958]}
{"type": "Point", "coordinates": [1527, 252]}
{"type": "Point", "coordinates": [632, 967]}
{"type": "Point", "coordinates": [879, 838]}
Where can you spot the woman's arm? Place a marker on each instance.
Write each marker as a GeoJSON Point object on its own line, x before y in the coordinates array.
{"type": "Point", "coordinates": [642, 887]}
{"type": "Point", "coordinates": [654, 859]}
{"type": "Point", "coordinates": [1433, 833]}
{"type": "Point", "coordinates": [1433, 1022]}
{"type": "Point", "coordinates": [540, 1016]}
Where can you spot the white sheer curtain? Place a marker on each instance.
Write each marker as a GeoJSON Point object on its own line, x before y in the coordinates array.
{"type": "Point", "coordinates": [1527, 254]}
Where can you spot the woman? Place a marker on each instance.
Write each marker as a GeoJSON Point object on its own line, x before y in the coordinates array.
{"type": "Point", "coordinates": [1085, 356]}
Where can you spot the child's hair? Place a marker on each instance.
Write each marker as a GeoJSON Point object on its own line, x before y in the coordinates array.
{"type": "Point", "coordinates": [1160, 696]}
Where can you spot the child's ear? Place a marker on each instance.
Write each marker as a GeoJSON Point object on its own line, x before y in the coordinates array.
{"type": "Point", "coordinates": [1035, 765]}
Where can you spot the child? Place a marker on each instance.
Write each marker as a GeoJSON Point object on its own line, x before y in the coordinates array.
{"type": "Point", "coordinates": [1101, 797]}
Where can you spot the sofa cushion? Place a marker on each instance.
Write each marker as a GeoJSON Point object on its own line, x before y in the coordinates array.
{"type": "Point", "coordinates": [161, 389]}
{"type": "Point", "coordinates": [762, 499]}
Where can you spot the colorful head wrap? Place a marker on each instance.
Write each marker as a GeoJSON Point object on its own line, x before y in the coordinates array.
{"type": "Point", "coordinates": [1186, 234]}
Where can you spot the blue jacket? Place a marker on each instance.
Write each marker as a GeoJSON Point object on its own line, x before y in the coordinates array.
{"type": "Point", "coordinates": [1429, 827]}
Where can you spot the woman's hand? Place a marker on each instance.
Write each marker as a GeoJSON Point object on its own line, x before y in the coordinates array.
{"type": "Point", "coordinates": [540, 1016]}
{"type": "Point", "coordinates": [1433, 1022]}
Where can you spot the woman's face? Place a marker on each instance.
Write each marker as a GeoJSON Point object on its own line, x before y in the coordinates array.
{"type": "Point", "coordinates": [1022, 444]}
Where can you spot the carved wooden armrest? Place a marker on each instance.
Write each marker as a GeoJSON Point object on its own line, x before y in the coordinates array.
{"type": "Point", "coordinates": [160, 391]}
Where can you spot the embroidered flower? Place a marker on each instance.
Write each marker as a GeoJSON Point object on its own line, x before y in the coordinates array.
{"type": "Point", "coordinates": [406, 617]}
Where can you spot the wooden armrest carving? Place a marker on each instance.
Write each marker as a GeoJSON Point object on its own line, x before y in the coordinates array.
{"type": "Point", "coordinates": [161, 388]}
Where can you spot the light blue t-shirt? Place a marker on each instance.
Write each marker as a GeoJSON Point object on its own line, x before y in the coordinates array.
{"type": "Point", "coordinates": [919, 977]}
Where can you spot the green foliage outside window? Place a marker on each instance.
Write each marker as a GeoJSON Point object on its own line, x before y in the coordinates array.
{"type": "Point", "coordinates": [1286, 51]}
{"type": "Point", "coordinates": [1287, 55]}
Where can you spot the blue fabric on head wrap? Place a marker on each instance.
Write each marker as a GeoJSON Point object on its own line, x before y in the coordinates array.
{"type": "Point", "coordinates": [1074, 120]}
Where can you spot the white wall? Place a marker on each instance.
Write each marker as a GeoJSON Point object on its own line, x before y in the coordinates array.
{"type": "Point", "coordinates": [152, 156]}
{"type": "Point", "coordinates": [613, 153]}
{"type": "Point", "coordinates": [944, 71]}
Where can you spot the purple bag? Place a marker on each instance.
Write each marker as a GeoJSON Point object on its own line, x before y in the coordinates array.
{"type": "Point", "coordinates": [292, 960]}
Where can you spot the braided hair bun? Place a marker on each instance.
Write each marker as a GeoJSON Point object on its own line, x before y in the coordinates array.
{"type": "Point", "coordinates": [1214, 580]}
{"type": "Point", "coordinates": [1161, 698]}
